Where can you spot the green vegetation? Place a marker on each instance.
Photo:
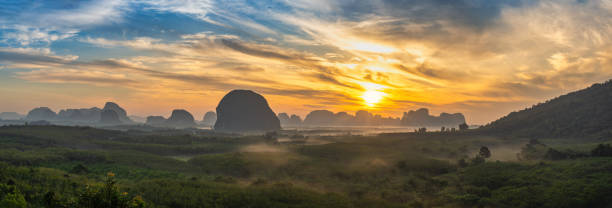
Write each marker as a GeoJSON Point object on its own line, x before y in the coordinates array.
{"type": "Point", "coordinates": [50, 166]}
{"type": "Point", "coordinates": [585, 113]}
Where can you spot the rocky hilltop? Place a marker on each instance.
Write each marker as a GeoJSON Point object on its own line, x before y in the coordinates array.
{"type": "Point", "coordinates": [80, 115]}
{"type": "Point", "coordinates": [109, 117]}
{"type": "Point", "coordinates": [245, 111]}
{"type": "Point", "coordinates": [209, 118]}
{"type": "Point", "coordinates": [361, 118]}
{"type": "Point", "coordinates": [422, 118]}
{"type": "Point", "coordinates": [180, 119]}
{"type": "Point", "coordinates": [11, 116]}
{"type": "Point", "coordinates": [156, 121]}
{"type": "Point", "coordinates": [41, 113]}
{"type": "Point", "coordinates": [292, 121]}
{"type": "Point", "coordinates": [120, 112]}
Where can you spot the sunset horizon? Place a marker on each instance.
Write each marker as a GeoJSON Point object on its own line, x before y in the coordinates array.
{"type": "Point", "coordinates": [483, 59]}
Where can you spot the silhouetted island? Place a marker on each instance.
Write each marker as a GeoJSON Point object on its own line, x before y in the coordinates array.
{"type": "Point", "coordinates": [245, 111]}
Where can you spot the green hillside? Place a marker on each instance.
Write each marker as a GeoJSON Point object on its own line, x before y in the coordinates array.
{"type": "Point", "coordinates": [585, 113]}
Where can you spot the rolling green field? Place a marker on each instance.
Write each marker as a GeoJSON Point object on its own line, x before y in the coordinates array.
{"type": "Point", "coordinates": [53, 166]}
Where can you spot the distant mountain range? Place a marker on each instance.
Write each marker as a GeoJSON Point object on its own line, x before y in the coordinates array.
{"type": "Point", "coordinates": [239, 111]}
{"type": "Point", "coordinates": [584, 113]}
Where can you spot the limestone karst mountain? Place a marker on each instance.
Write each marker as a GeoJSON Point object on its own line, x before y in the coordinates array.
{"type": "Point", "coordinates": [109, 117]}
{"type": "Point", "coordinates": [209, 118]}
{"type": "Point", "coordinates": [289, 121]}
{"type": "Point", "coordinates": [41, 113]}
{"type": "Point", "coordinates": [120, 112]}
{"type": "Point", "coordinates": [80, 115]}
{"type": "Point", "coordinates": [320, 117]}
{"type": "Point", "coordinates": [180, 119]}
{"type": "Point", "coordinates": [295, 120]}
{"type": "Point", "coordinates": [11, 116]}
{"type": "Point", "coordinates": [421, 117]}
{"type": "Point", "coordinates": [245, 111]}
{"type": "Point", "coordinates": [283, 118]}
{"type": "Point", "coordinates": [361, 118]}
{"type": "Point", "coordinates": [156, 121]}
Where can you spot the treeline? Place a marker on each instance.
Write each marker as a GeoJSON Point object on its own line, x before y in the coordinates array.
{"type": "Point", "coordinates": [535, 150]}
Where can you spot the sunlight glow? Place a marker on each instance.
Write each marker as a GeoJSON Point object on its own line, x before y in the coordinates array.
{"type": "Point", "coordinates": [373, 94]}
{"type": "Point", "coordinates": [372, 97]}
{"type": "Point", "coordinates": [371, 47]}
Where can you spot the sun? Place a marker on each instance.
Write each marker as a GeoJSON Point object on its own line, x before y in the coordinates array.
{"type": "Point", "coordinates": [372, 97]}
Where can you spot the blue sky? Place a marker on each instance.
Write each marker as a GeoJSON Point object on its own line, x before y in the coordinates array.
{"type": "Point", "coordinates": [480, 57]}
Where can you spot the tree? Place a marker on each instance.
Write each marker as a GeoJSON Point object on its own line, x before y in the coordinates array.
{"type": "Point", "coordinates": [484, 152]}
{"type": "Point", "coordinates": [463, 126]}
{"type": "Point", "coordinates": [108, 196]}
{"type": "Point", "coordinates": [462, 163]}
{"type": "Point", "coordinates": [602, 151]}
{"type": "Point", "coordinates": [15, 200]}
{"type": "Point", "coordinates": [10, 197]}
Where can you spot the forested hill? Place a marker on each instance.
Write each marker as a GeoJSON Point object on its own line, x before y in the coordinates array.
{"type": "Point", "coordinates": [585, 113]}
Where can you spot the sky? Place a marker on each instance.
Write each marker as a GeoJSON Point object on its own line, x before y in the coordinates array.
{"type": "Point", "coordinates": [483, 58]}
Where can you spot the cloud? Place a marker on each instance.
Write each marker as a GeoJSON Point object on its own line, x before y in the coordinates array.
{"type": "Point", "coordinates": [76, 76]}
{"type": "Point", "coordinates": [445, 55]}
{"type": "Point", "coordinates": [254, 51]}
{"type": "Point", "coordinates": [32, 56]}
{"type": "Point", "coordinates": [198, 9]}
{"type": "Point", "coordinates": [42, 25]}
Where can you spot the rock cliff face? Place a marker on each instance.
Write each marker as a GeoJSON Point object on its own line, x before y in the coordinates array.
{"type": "Point", "coordinates": [109, 117]}
{"type": "Point", "coordinates": [209, 118]}
{"type": "Point", "coordinates": [180, 119]}
{"type": "Point", "coordinates": [120, 112]}
{"type": "Point", "coordinates": [422, 118]}
{"type": "Point", "coordinates": [41, 113]}
{"type": "Point", "coordinates": [245, 111]}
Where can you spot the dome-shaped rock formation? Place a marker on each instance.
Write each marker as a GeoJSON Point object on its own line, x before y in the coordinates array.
{"type": "Point", "coordinates": [180, 119]}
{"type": "Point", "coordinates": [41, 113]}
{"type": "Point", "coordinates": [156, 121]}
{"type": "Point", "coordinates": [245, 111]}
{"type": "Point", "coordinates": [209, 118]}
{"type": "Point", "coordinates": [120, 112]}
